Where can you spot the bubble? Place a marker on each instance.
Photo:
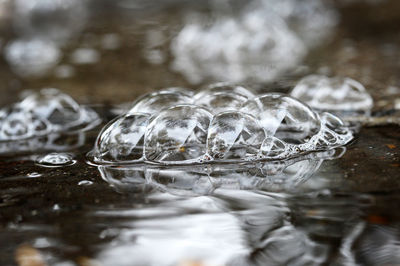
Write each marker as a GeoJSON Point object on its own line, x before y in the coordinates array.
{"type": "Point", "coordinates": [256, 45]}
{"type": "Point", "coordinates": [32, 57]}
{"type": "Point", "coordinates": [122, 139]}
{"type": "Point", "coordinates": [85, 183]}
{"type": "Point", "coordinates": [55, 159]}
{"type": "Point", "coordinates": [84, 56]}
{"type": "Point", "coordinates": [56, 20]}
{"type": "Point", "coordinates": [284, 117]}
{"type": "Point", "coordinates": [234, 135]}
{"type": "Point", "coordinates": [44, 112]}
{"type": "Point", "coordinates": [177, 134]}
{"type": "Point", "coordinates": [155, 102]}
{"type": "Point", "coordinates": [273, 148]}
{"type": "Point", "coordinates": [225, 87]}
{"type": "Point", "coordinates": [216, 128]}
{"type": "Point", "coordinates": [332, 94]}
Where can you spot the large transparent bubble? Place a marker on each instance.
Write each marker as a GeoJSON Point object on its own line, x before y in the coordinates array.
{"type": "Point", "coordinates": [224, 123]}
{"type": "Point", "coordinates": [44, 112]}
{"type": "Point", "coordinates": [178, 134]}
{"type": "Point", "coordinates": [155, 102]}
{"type": "Point", "coordinates": [284, 117]}
{"type": "Point", "coordinates": [122, 139]}
{"type": "Point", "coordinates": [333, 94]}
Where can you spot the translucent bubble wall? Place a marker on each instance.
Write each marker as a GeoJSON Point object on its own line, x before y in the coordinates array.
{"type": "Point", "coordinates": [221, 123]}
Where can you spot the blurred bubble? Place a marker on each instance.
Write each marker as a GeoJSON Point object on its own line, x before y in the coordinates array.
{"type": "Point", "coordinates": [32, 57]}
{"type": "Point", "coordinates": [56, 20]}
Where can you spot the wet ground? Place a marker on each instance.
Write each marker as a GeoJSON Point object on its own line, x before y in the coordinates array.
{"type": "Point", "coordinates": [341, 211]}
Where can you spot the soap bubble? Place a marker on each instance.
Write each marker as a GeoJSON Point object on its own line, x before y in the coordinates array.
{"type": "Point", "coordinates": [178, 134]}
{"type": "Point", "coordinates": [221, 97]}
{"type": "Point", "coordinates": [234, 135]}
{"type": "Point", "coordinates": [225, 87]}
{"type": "Point", "coordinates": [284, 117]}
{"type": "Point", "coordinates": [273, 148]}
{"type": "Point", "coordinates": [32, 57]}
{"type": "Point", "coordinates": [122, 138]}
{"type": "Point", "coordinates": [333, 94]}
{"type": "Point", "coordinates": [156, 101]}
{"type": "Point", "coordinates": [55, 159]}
{"type": "Point", "coordinates": [44, 112]}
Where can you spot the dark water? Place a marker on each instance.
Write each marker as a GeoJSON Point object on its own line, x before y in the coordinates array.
{"type": "Point", "coordinates": [311, 211]}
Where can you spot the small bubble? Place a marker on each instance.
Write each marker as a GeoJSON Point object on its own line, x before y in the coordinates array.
{"type": "Point", "coordinates": [34, 174]}
{"type": "Point", "coordinates": [55, 159]}
{"type": "Point", "coordinates": [85, 183]}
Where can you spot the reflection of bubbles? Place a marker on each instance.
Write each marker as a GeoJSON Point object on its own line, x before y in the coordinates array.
{"type": "Point", "coordinates": [33, 57]}
{"type": "Point", "coordinates": [226, 228]}
{"type": "Point", "coordinates": [265, 40]}
{"type": "Point", "coordinates": [217, 124]}
{"type": "Point", "coordinates": [333, 94]}
{"type": "Point", "coordinates": [200, 180]}
{"type": "Point", "coordinates": [40, 115]}
{"type": "Point", "coordinates": [56, 20]}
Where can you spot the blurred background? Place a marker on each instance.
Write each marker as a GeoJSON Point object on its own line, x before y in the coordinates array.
{"type": "Point", "coordinates": [112, 51]}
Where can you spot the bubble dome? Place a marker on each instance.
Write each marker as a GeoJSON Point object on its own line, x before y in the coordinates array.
{"type": "Point", "coordinates": [221, 123]}
{"type": "Point", "coordinates": [44, 112]}
{"type": "Point", "coordinates": [332, 94]}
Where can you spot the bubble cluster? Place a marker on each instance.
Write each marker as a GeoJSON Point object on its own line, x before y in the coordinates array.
{"type": "Point", "coordinates": [332, 94]}
{"type": "Point", "coordinates": [222, 123]}
{"type": "Point", "coordinates": [44, 112]}
{"type": "Point", "coordinates": [252, 40]}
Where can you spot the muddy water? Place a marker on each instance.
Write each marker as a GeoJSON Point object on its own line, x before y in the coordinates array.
{"type": "Point", "coordinates": [340, 211]}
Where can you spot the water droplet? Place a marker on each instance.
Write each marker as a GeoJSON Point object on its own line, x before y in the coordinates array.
{"type": "Point", "coordinates": [55, 159]}
{"type": "Point", "coordinates": [85, 183]}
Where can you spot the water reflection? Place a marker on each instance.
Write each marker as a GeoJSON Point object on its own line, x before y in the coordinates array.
{"type": "Point", "coordinates": [204, 179]}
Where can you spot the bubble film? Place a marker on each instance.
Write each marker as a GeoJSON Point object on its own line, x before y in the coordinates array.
{"type": "Point", "coordinates": [333, 94]}
{"type": "Point", "coordinates": [222, 123]}
{"type": "Point", "coordinates": [42, 113]}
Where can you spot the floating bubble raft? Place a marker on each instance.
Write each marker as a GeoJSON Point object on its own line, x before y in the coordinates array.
{"type": "Point", "coordinates": [222, 123]}
{"type": "Point", "coordinates": [333, 94]}
{"type": "Point", "coordinates": [39, 117]}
